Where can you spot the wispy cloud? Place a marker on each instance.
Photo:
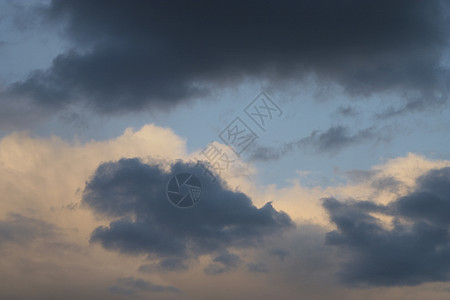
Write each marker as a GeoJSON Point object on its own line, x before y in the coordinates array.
{"type": "Point", "coordinates": [330, 142]}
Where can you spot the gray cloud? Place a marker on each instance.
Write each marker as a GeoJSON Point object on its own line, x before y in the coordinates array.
{"type": "Point", "coordinates": [257, 268]}
{"type": "Point", "coordinates": [280, 253]}
{"type": "Point", "coordinates": [132, 195]}
{"type": "Point", "coordinates": [338, 137]}
{"type": "Point", "coordinates": [228, 259]}
{"type": "Point", "coordinates": [431, 201]}
{"type": "Point", "coordinates": [347, 111]}
{"type": "Point", "coordinates": [223, 262]}
{"type": "Point", "coordinates": [376, 181]}
{"type": "Point", "coordinates": [131, 286]}
{"type": "Point", "coordinates": [332, 141]}
{"type": "Point", "coordinates": [21, 230]}
{"type": "Point", "coordinates": [387, 183]}
{"type": "Point", "coordinates": [359, 176]}
{"type": "Point", "coordinates": [414, 251]}
{"type": "Point", "coordinates": [417, 103]}
{"type": "Point", "coordinates": [153, 54]}
{"type": "Point", "coordinates": [168, 264]}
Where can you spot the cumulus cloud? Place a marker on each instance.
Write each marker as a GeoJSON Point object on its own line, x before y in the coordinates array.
{"type": "Point", "coordinates": [416, 249]}
{"type": "Point", "coordinates": [135, 55]}
{"type": "Point", "coordinates": [133, 195]}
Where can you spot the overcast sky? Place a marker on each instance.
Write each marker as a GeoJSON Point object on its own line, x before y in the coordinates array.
{"type": "Point", "coordinates": [224, 150]}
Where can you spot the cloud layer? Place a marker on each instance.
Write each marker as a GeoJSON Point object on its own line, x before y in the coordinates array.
{"type": "Point", "coordinates": [45, 232]}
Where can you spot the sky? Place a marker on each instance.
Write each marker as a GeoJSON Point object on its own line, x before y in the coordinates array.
{"type": "Point", "coordinates": [224, 150]}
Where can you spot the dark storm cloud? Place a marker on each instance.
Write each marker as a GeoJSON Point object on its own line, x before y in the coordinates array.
{"type": "Point", "coordinates": [332, 141]}
{"type": "Point", "coordinates": [129, 55]}
{"type": "Point", "coordinates": [414, 251]}
{"type": "Point", "coordinates": [133, 196]}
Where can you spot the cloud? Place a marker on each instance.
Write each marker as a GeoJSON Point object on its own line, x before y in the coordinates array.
{"type": "Point", "coordinates": [431, 201]}
{"type": "Point", "coordinates": [227, 259]}
{"type": "Point", "coordinates": [223, 262]}
{"type": "Point", "coordinates": [257, 268]}
{"type": "Point", "coordinates": [338, 137]}
{"type": "Point", "coordinates": [417, 103]}
{"type": "Point", "coordinates": [168, 264]}
{"type": "Point", "coordinates": [131, 285]}
{"type": "Point", "coordinates": [22, 230]}
{"type": "Point", "coordinates": [376, 179]}
{"type": "Point", "coordinates": [22, 15]}
{"type": "Point", "coordinates": [416, 249]}
{"type": "Point", "coordinates": [358, 176]}
{"type": "Point", "coordinates": [280, 253]}
{"type": "Point", "coordinates": [386, 183]}
{"type": "Point", "coordinates": [133, 56]}
{"type": "Point", "coordinates": [133, 195]}
{"type": "Point", "coordinates": [332, 141]}
{"type": "Point", "coordinates": [20, 114]}
{"type": "Point", "coordinates": [347, 111]}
